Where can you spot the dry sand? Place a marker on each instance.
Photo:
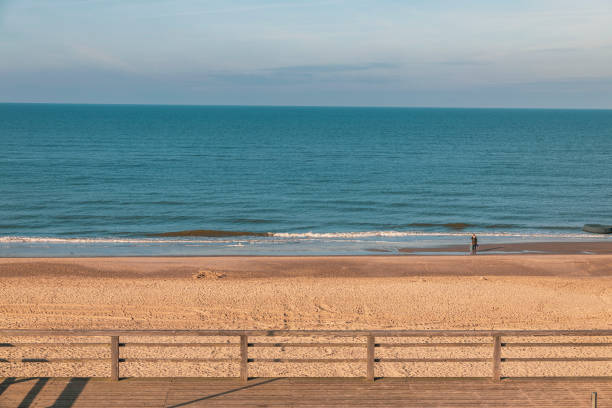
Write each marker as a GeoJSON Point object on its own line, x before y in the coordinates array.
{"type": "Point", "coordinates": [365, 292]}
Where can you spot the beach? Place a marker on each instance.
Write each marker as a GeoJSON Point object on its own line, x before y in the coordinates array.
{"type": "Point", "coordinates": [508, 291]}
{"type": "Point", "coordinates": [259, 191]}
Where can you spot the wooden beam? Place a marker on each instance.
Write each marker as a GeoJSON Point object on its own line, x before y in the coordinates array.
{"type": "Point", "coordinates": [297, 333]}
{"type": "Point", "coordinates": [434, 344]}
{"type": "Point", "coordinates": [556, 344]}
{"type": "Point", "coordinates": [307, 360]}
{"type": "Point", "coordinates": [244, 358]}
{"type": "Point", "coordinates": [130, 344]}
{"type": "Point", "coordinates": [114, 358]}
{"type": "Point", "coordinates": [551, 359]}
{"type": "Point", "coordinates": [370, 366]}
{"type": "Point", "coordinates": [432, 360]}
{"type": "Point", "coordinates": [54, 344]}
{"type": "Point", "coordinates": [496, 375]}
{"type": "Point", "coordinates": [313, 345]}
{"type": "Point", "coordinates": [177, 360]}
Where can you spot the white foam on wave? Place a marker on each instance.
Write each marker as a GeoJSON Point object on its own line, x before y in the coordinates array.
{"type": "Point", "coordinates": [279, 237]}
{"type": "Point", "coordinates": [52, 240]}
{"type": "Point", "coordinates": [400, 234]}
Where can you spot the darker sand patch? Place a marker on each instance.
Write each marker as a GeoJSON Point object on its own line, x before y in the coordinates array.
{"type": "Point", "coordinates": [208, 274]}
{"type": "Point", "coordinates": [73, 267]}
{"type": "Point", "coordinates": [565, 248]}
{"type": "Point", "coordinates": [270, 267]}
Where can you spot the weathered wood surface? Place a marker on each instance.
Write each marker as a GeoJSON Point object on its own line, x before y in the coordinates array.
{"type": "Point", "coordinates": [244, 358]}
{"type": "Point", "coordinates": [496, 358]}
{"type": "Point", "coordinates": [294, 392]}
{"type": "Point", "coordinates": [114, 351]}
{"type": "Point", "coordinates": [371, 358]}
{"type": "Point", "coordinates": [370, 335]}
{"type": "Point", "coordinates": [295, 333]}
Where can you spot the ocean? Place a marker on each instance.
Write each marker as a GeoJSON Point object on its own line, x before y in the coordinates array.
{"type": "Point", "coordinates": [89, 180]}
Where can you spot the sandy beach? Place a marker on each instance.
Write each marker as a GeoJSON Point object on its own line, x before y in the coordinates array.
{"type": "Point", "coordinates": [561, 291]}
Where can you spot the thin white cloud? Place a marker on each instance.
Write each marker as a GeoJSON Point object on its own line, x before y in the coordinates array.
{"type": "Point", "coordinates": [244, 9]}
{"type": "Point", "coordinates": [434, 46]}
{"type": "Point", "coordinates": [102, 59]}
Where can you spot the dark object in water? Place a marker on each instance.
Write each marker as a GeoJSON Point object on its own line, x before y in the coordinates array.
{"type": "Point", "coordinates": [598, 228]}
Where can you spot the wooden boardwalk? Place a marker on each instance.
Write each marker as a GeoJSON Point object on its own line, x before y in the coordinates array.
{"type": "Point", "coordinates": [304, 392]}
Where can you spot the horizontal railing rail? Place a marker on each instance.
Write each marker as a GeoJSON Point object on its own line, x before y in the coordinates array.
{"type": "Point", "coordinates": [369, 344]}
{"type": "Point", "coordinates": [298, 333]}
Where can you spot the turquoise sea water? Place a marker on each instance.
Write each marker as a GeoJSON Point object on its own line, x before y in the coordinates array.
{"type": "Point", "coordinates": [101, 179]}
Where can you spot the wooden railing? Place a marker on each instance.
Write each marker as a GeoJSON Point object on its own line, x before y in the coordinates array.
{"type": "Point", "coordinates": [370, 344]}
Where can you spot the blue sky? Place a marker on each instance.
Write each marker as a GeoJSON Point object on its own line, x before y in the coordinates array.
{"type": "Point", "coordinates": [548, 53]}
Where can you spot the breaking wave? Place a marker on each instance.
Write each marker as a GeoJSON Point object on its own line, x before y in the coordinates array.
{"type": "Point", "coordinates": [53, 240]}
{"type": "Point", "coordinates": [210, 233]}
{"type": "Point", "coordinates": [234, 237]}
{"type": "Point", "coordinates": [399, 234]}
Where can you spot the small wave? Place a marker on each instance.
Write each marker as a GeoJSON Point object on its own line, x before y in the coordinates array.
{"type": "Point", "coordinates": [210, 233]}
{"type": "Point", "coordinates": [280, 237]}
{"type": "Point", "coordinates": [399, 234]}
{"type": "Point", "coordinates": [53, 240]}
{"type": "Point", "coordinates": [462, 225]}
{"type": "Point", "coordinates": [449, 225]}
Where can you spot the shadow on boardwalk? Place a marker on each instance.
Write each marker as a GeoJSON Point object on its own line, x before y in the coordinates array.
{"type": "Point", "coordinates": [220, 394]}
{"type": "Point", "coordinates": [296, 392]}
{"type": "Point", "coordinates": [66, 398]}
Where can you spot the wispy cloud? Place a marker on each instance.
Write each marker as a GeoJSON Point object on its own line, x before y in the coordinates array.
{"type": "Point", "coordinates": [300, 74]}
{"type": "Point", "coordinates": [458, 62]}
{"type": "Point", "coordinates": [102, 59]}
{"type": "Point", "coordinates": [554, 50]}
{"type": "Point", "coordinates": [574, 82]}
{"type": "Point", "coordinates": [245, 9]}
{"type": "Point", "coordinates": [281, 50]}
{"type": "Point", "coordinates": [331, 67]}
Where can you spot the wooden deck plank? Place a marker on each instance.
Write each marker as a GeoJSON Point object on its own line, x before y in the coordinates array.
{"type": "Point", "coordinates": [302, 392]}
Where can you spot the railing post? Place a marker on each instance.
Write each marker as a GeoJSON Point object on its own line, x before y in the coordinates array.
{"type": "Point", "coordinates": [496, 358]}
{"type": "Point", "coordinates": [244, 358]}
{"type": "Point", "coordinates": [114, 345]}
{"type": "Point", "coordinates": [593, 400]}
{"type": "Point", "coordinates": [370, 358]}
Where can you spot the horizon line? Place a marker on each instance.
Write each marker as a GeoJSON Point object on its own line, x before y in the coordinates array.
{"type": "Point", "coordinates": [308, 106]}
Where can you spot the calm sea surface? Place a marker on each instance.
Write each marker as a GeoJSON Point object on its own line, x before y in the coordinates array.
{"type": "Point", "coordinates": [92, 180]}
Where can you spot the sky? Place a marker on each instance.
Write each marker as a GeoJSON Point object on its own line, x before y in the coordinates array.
{"type": "Point", "coordinates": [469, 53]}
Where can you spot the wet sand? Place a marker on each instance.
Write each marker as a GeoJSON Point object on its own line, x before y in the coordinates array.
{"type": "Point", "coordinates": [601, 247]}
{"type": "Point", "coordinates": [343, 292]}
{"type": "Point", "coordinates": [277, 267]}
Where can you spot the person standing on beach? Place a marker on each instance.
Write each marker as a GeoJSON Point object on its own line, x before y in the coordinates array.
{"type": "Point", "coordinates": [474, 244]}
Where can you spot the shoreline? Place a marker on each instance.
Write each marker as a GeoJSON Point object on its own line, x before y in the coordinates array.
{"type": "Point", "coordinates": [311, 267]}
{"type": "Point", "coordinates": [564, 247]}
{"type": "Point", "coordinates": [268, 247]}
